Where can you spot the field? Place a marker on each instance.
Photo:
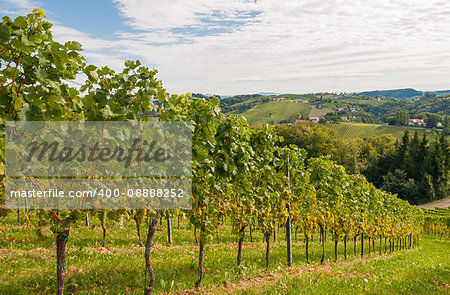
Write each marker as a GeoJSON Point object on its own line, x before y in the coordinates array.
{"type": "Point", "coordinates": [346, 101]}
{"type": "Point", "coordinates": [280, 110]}
{"type": "Point", "coordinates": [354, 130]}
{"type": "Point", "coordinates": [319, 112]}
{"type": "Point", "coordinates": [119, 268]}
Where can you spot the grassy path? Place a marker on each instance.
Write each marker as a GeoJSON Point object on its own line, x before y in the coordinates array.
{"type": "Point", "coordinates": [445, 203]}
{"type": "Point", "coordinates": [420, 271]}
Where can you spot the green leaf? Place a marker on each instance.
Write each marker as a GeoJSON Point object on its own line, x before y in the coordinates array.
{"type": "Point", "coordinates": [54, 99]}
{"type": "Point", "coordinates": [43, 61]}
{"type": "Point", "coordinates": [104, 71]}
{"type": "Point", "coordinates": [93, 76]}
{"type": "Point", "coordinates": [56, 103]}
{"type": "Point", "coordinates": [46, 25]}
{"type": "Point", "coordinates": [36, 39]}
{"type": "Point", "coordinates": [131, 64]}
{"type": "Point", "coordinates": [72, 45]}
{"type": "Point", "coordinates": [106, 112]}
{"type": "Point", "coordinates": [20, 22]}
{"type": "Point", "coordinates": [40, 74]}
{"type": "Point", "coordinates": [18, 102]}
{"type": "Point", "coordinates": [4, 33]}
{"type": "Point", "coordinates": [20, 46]}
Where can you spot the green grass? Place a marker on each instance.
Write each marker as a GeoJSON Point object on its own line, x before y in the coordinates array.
{"type": "Point", "coordinates": [280, 110]}
{"type": "Point", "coordinates": [354, 130]}
{"type": "Point", "coordinates": [422, 271]}
{"type": "Point", "coordinates": [360, 101]}
{"type": "Point", "coordinates": [320, 112]}
{"type": "Point", "coordinates": [27, 264]}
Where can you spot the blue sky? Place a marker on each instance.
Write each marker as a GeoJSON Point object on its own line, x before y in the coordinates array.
{"type": "Point", "coordinates": [99, 18]}
{"type": "Point", "coordinates": [247, 46]}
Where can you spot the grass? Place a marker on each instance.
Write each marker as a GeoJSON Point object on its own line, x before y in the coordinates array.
{"type": "Point", "coordinates": [315, 112]}
{"type": "Point", "coordinates": [279, 110]}
{"type": "Point", "coordinates": [354, 130]}
{"type": "Point", "coordinates": [27, 264]}
{"type": "Point", "coordinates": [423, 271]}
{"type": "Point", "coordinates": [358, 101]}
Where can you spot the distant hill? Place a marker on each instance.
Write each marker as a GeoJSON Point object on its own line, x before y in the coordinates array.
{"type": "Point", "coordinates": [287, 108]}
{"type": "Point", "coordinates": [441, 92]}
{"type": "Point", "coordinates": [395, 93]}
{"type": "Point", "coordinates": [268, 93]}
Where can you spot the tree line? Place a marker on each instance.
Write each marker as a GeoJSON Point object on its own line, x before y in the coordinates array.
{"type": "Point", "coordinates": [414, 167]}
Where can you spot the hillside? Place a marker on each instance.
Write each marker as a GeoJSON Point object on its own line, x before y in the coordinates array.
{"type": "Point", "coordinates": [441, 92]}
{"type": "Point", "coordinates": [286, 108]}
{"type": "Point", "coordinates": [360, 130]}
{"type": "Point", "coordinates": [360, 115]}
{"type": "Point", "coordinates": [273, 112]}
{"type": "Point", "coordinates": [395, 93]}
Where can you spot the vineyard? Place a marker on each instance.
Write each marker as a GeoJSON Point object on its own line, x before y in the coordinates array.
{"type": "Point", "coordinates": [315, 112]}
{"type": "Point", "coordinates": [437, 222]}
{"type": "Point", "coordinates": [276, 111]}
{"type": "Point", "coordinates": [245, 189]}
{"type": "Point", "coordinates": [355, 130]}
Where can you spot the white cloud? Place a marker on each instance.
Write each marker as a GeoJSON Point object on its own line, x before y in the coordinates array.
{"type": "Point", "coordinates": [164, 14]}
{"type": "Point", "coordinates": [291, 45]}
{"type": "Point", "coordinates": [15, 8]}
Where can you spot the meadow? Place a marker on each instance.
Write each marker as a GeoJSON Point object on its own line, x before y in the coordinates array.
{"type": "Point", "coordinates": [275, 111]}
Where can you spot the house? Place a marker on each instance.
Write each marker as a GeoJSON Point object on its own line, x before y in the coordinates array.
{"type": "Point", "coordinates": [416, 122]}
{"type": "Point", "coordinates": [344, 118]}
{"type": "Point", "coordinates": [298, 121]}
{"type": "Point", "coordinates": [439, 125]}
{"type": "Point", "coordinates": [300, 100]}
{"type": "Point", "coordinates": [315, 119]}
{"type": "Point", "coordinates": [340, 109]}
{"type": "Point", "coordinates": [279, 99]}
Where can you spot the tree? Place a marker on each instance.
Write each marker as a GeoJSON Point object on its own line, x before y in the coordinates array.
{"type": "Point", "coordinates": [316, 139]}
{"type": "Point", "coordinates": [446, 130]}
{"type": "Point", "coordinates": [32, 87]}
{"type": "Point", "coordinates": [432, 119]}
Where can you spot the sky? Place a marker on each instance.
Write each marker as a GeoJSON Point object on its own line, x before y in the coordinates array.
{"type": "Point", "coordinates": [229, 47]}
